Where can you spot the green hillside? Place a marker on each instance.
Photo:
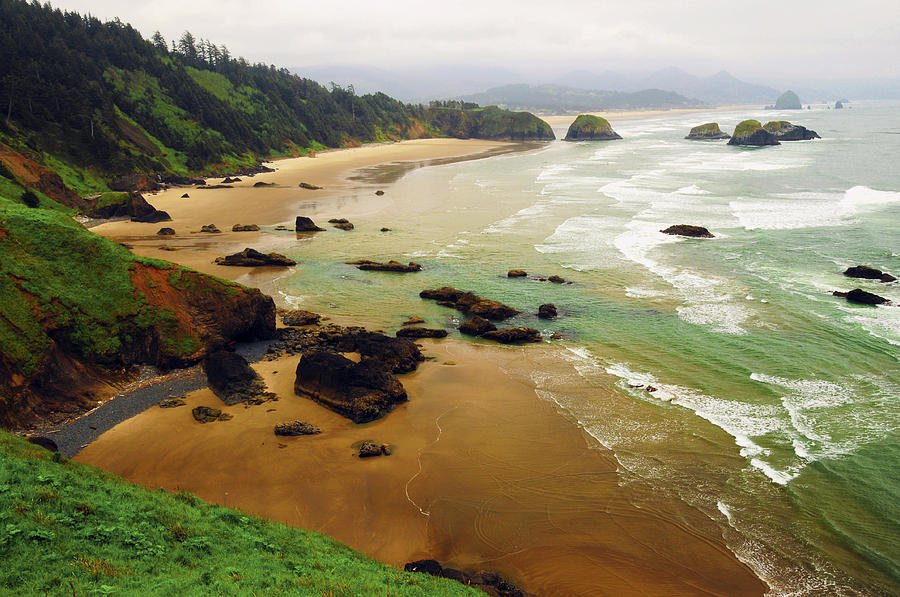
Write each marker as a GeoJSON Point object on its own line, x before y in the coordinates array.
{"type": "Point", "coordinates": [69, 529]}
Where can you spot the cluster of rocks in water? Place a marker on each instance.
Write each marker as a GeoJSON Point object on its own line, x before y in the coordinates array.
{"type": "Point", "coordinates": [482, 311]}
{"type": "Point", "coordinates": [253, 258]}
{"type": "Point", "coordinates": [754, 133]}
{"type": "Point", "coordinates": [860, 296]}
{"type": "Point", "coordinates": [341, 223]}
{"type": "Point", "coordinates": [688, 230]}
{"type": "Point", "coordinates": [489, 582]}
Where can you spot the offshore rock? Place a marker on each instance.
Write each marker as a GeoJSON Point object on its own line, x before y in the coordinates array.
{"type": "Point", "coordinates": [296, 428]}
{"type": "Point", "coordinates": [390, 266]}
{"type": "Point", "coordinates": [165, 232]}
{"type": "Point", "coordinates": [245, 228]}
{"type": "Point", "coordinates": [785, 131]}
{"type": "Point", "coordinates": [304, 224]}
{"type": "Point", "coordinates": [752, 133]}
{"type": "Point", "coordinates": [253, 258]}
{"type": "Point", "coordinates": [591, 128]}
{"type": "Point", "coordinates": [868, 273]}
{"type": "Point", "coordinates": [518, 335]}
{"type": "Point", "coordinates": [476, 326]}
{"type": "Point", "coordinates": [341, 223]}
{"type": "Point", "coordinates": [857, 295]}
{"type": "Point", "coordinates": [708, 131]}
{"type": "Point", "coordinates": [547, 311]}
{"type": "Point", "coordinates": [688, 230]}
{"type": "Point", "coordinates": [362, 391]}
{"type": "Point", "coordinates": [210, 228]}
{"type": "Point", "coordinates": [468, 302]}
{"type": "Point", "coordinates": [516, 273]}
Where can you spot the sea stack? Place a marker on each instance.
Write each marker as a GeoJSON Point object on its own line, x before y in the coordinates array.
{"type": "Point", "coordinates": [708, 131]}
{"type": "Point", "coordinates": [591, 128]}
{"type": "Point", "coordinates": [786, 131]}
{"type": "Point", "coordinates": [751, 132]}
{"type": "Point", "coordinates": [788, 101]}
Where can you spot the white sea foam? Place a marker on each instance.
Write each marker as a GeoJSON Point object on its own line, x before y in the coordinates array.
{"type": "Point", "coordinates": [692, 190]}
{"type": "Point", "coordinates": [723, 508]}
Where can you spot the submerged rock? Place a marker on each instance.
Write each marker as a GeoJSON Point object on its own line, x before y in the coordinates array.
{"type": "Point", "coordinates": [304, 224]}
{"type": "Point", "coordinates": [868, 273]}
{"type": "Point", "coordinates": [413, 320]}
{"type": "Point", "coordinates": [468, 302]}
{"type": "Point", "coordinates": [253, 258]}
{"type": "Point", "coordinates": [245, 228]}
{"type": "Point", "coordinates": [296, 428]}
{"type": "Point", "coordinates": [786, 131]}
{"type": "Point", "coordinates": [556, 279]}
{"type": "Point", "coordinates": [362, 391]}
{"type": "Point", "coordinates": [752, 133]}
{"type": "Point", "coordinates": [547, 311]}
{"type": "Point", "coordinates": [210, 228]}
{"type": "Point", "coordinates": [688, 230]}
{"type": "Point", "coordinates": [420, 332]}
{"type": "Point", "coordinates": [516, 273]}
{"type": "Point", "coordinates": [858, 295]}
{"type": "Point", "coordinates": [588, 127]}
{"type": "Point", "coordinates": [476, 326]}
{"type": "Point", "coordinates": [517, 335]}
{"type": "Point", "coordinates": [341, 223]}
{"type": "Point", "coordinates": [310, 187]}
{"type": "Point", "coordinates": [708, 131]}
{"type": "Point", "coordinates": [390, 266]}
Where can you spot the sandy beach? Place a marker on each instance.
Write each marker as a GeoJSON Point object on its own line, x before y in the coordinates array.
{"type": "Point", "coordinates": [484, 473]}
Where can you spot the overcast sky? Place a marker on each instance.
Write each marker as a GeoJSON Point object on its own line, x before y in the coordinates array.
{"type": "Point", "coordinates": [756, 40]}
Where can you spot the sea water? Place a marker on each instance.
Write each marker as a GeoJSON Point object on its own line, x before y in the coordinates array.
{"type": "Point", "coordinates": [776, 409]}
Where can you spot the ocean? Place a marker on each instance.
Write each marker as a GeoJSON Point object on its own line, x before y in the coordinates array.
{"type": "Point", "coordinates": [776, 406]}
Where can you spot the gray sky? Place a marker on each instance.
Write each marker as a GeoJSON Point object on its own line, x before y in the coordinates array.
{"type": "Point", "coordinates": [756, 40]}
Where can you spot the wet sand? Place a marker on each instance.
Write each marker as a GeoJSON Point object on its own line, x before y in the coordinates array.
{"type": "Point", "coordinates": [484, 474]}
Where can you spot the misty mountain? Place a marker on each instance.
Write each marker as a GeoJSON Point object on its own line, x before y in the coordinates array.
{"type": "Point", "coordinates": [558, 98]}
{"type": "Point", "coordinates": [720, 88]}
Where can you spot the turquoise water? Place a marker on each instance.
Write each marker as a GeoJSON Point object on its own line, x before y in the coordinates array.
{"type": "Point", "coordinates": [777, 410]}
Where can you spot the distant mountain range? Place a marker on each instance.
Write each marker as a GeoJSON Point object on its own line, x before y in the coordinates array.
{"type": "Point", "coordinates": [559, 98]}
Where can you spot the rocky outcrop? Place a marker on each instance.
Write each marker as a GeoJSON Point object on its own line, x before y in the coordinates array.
{"type": "Point", "coordinates": [490, 583]}
{"type": "Point", "coordinates": [839, 105]}
{"type": "Point", "coordinates": [390, 266]}
{"type": "Point", "coordinates": [858, 295]}
{"type": "Point", "coordinates": [420, 332]}
{"type": "Point", "coordinates": [516, 273]}
{"type": "Point", "coordinates": [751, 133]}
{"type": "Point", "coordinates": [588, 127]}
{"type": "Point", "coordinates": [341, 223]}
{"type": "Point", "coordinates": [229, 180]}
{"type": "Point", "coordinates": [868, 273]}
{"type": "Point", "coordinates": [788, 101]}
{"type": "Point", "coordinates": [165, 232]}
{"type": "Point", "coordinates": [126, 205]}
{"type": "Point", "coordinates": [362, 391]}
{"type": "Point", "coordinates": [207, 414]}
{"type": "Point", "coordinates": [468, 302]}
{"type": "Point", "coordinates": [231, 378]}
{"type": "Point", "coordinates": [547, 311]}
{"type": "Point", "coordinates": [688, 230]}
{"type": "Point", "coordinates": [253, 258]}
{"type": "Point", "coordinates": [245, 228]}
{"type": "Point", "coordinates": [369, 449]}
{"type": "Point", "coordinates": [476, 326]}
{"type": "Point", "coordinates": [785, 131]}
{"type": "Point", "coordinates": [517, 335]}
{"type": "Point", "coordinates": [296, 428]}
{"type": "Point", "coordinates": [299, 317]}
{"type": "Point", "coordinates": [304, 224]}
{"type": "Point", "coordinates": [706, 132]}
{"type": "Point", "coordinates": [210, 229]}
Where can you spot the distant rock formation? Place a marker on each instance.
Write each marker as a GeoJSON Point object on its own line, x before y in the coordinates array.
{"type": "Point", "coordinates": [708, 131]}
{"type": "Point", "coordinates": [688, 230]}
{"type": "Point", "coordinates": [751, 132]}
{"type": "Point", "coordinates": [245, 228]}
{"type": "Point", "coordinates": [868, 273]}
{"type": "Point", "coordinates": [591, 128]}
{"type": "Point", "coordinates": [786, 131]}
{"type": "Point", "coordinates": [839, 105]}
{"type": "Point", "coordinates": [788, 101]}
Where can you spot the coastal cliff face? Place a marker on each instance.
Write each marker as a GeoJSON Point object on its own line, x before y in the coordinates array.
{"type": "Point", "coordinates": [591, 128]}
{"type": "Point", "coordinates": [77, 309]}
{"type": "Point", "coordinates": [752, 133]}
{"type": "Point", "coordinates": [490, 123]}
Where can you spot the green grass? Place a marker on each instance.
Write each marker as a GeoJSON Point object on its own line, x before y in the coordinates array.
{"type": "Point", "coordinates": [69, 529]}
{"type": "Point", "coordinates": [710, 128]}
{"type": "Point", "coordinates": [587, 123]}
{"type": "Point", "coordinates": [746, 128]}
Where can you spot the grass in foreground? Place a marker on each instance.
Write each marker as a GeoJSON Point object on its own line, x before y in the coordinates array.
{"type": "Point", "coordinates": [66, 528]}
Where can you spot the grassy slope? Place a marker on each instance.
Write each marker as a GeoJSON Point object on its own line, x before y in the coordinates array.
{"type": "Point", "coordinates": [67, 528]}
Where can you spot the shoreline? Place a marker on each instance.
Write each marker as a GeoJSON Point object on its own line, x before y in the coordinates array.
{"type": "Point", "coordinates": [473, 479]}
{"type": "Point", "coordinates": [622, 115]}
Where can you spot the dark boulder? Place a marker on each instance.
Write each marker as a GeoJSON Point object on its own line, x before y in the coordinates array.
{"type": "Point", "coordinates": [516, 273]}
{"type": "Point", "coordinates": [420, 332]}
{"type": "Point", "coordinates": [206, 414]}
{"type": "Point", "coordinates": [547, 311]}
{"type": "Point", "coordinates": [245, 228]}
{"type": "Point", "coordinates": [299, 317]}
{"type": "Point", "coordinates": [172, 402]}
{"type": "Point", "coordinates": [379, 192]}
{"type": "Point", "coordinates": [517, 335]}
{"type": "Point", "coordinates": [857, 295]}
{"type": "Point", "coordinates": [468, 302]}
{"type": "Point", "coordinates": [165, 232]}
{"type": "Point", "coordinates": [752, 133]}
{"type": "Point", "coordinates": [390, 266]}
{"type": "Point", "coordinates": [185, 196]}
{"type": "Point", "coordinates": [868, 273]}
{"type": "Point", "coordinates": [210, 228]}
{"type": "Point", "coordinates": [688, 230]}
{"type": "Point", "coordinates": [401, 355]}
{"type": "Point", "coordinates": [253, 258]}
{"type": "Point", "coordinates": [368, 449]}
{"type": "Point", "coordinates": [557, 279]}
{"type": "Point", "coordinates": [231, 378]}
{"type": "Point", "coordinates": [413, 320]}
{"type": "Point", "coordinates": [362, 391]}
{"type": "Point", "coordinates": [785, 131]}
{"type": "Point", "coordinates": [295, 428]}
{"type": "Point", "coordinates": [304, 224]}
{"type": "Point", "coordinates": [476, 326]}
{"type": "Point", "coordinates": [341, 223]}
{"type": "Point", "coordinates": [490, 583]}
{"type": "Point", "coordinates": [310, 187]}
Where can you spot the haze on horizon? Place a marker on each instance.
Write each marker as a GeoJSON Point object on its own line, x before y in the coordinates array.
{"type": "Point", "coordinates": [765, 41]}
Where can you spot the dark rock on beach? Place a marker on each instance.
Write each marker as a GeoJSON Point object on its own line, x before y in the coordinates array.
{"type": "Point", "coordinates": [206, 414]}
{"type": "Point", "coordinates": [468, 302]}
{"type": "Point", "coordinates": [362, 391]}
{"type": "Point", "coordinates": [547, 311]}
{"type": "Point", "coordinates": [165, 232]}
{"type": "Point", "coordinates": [752, 133]}
{"type": "Point", "coordinates": [420, 332]}
{"type": "Point", "coordinates": [476, 326]}
{"type": "Point", "coordinates": [341, 223]}
{"type": "Point", "coordinates": [857, 295]}
{"type": "Point", "coordinates": [557, 279]}
{"type": "Point", "coordinates": [185, 196]}
{"type": "Point", "coordinates": [517, 335]}
{"type": "Point", "coordinates": [390, 266]}
{"type": "Point", "coordinates": [216, 186]}
{"type": "Point", "coordinates": [379, 193]}
{"type": "Point", "coordinates": [210, 228]}
{"type": "Point", "coordinates": [707, 132]}
{"type": "Point", "coordinates": [308, 186]}
{"type": "Point", "coordinates": [245, 228]}
{"type": "Point", "coordinates": [299, 317]}
{"type": "Point", "coordinates": [231, 378]}
{"type": "Point", "coordinates": [785, 131]}
{"type": "Point", "coordinates": [263, 184]}
{"type": "Point", "coordinates": [296, 428]}
{"type": "Point", "coordinates": [688, 230]}
{"type": "Point", "coordinates": [253, 258]}
{"type": "Point", "coordinates": [516, 273]}
{"type": "Point", "coordinates": [868, 273]}
{"type": "Point", "coordinates": [172, 402]}
{"type": "Point", "coordinates": [304, 224]}
{"type": "Point", "coordinates": [368, 449]}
